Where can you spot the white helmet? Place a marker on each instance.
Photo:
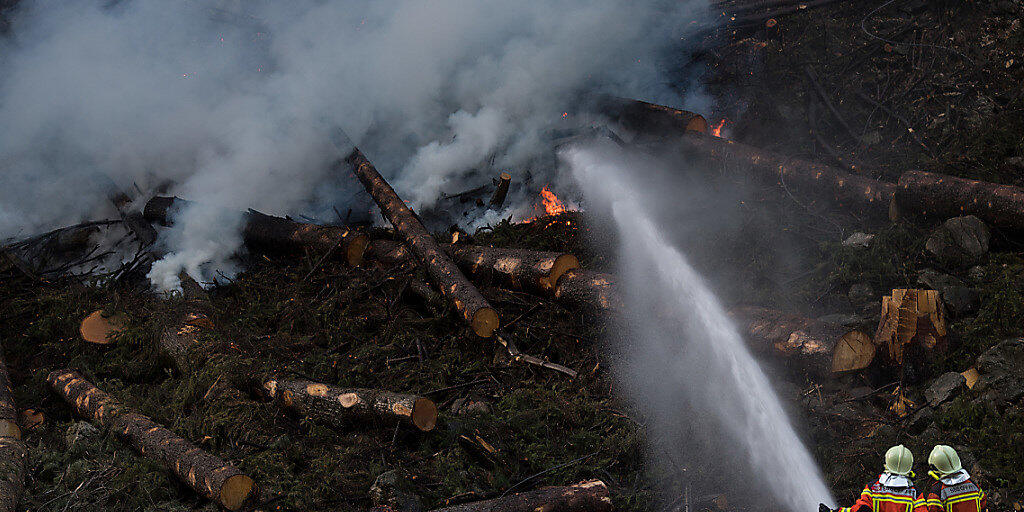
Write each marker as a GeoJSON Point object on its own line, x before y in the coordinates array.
{"type": "Point", "coordinates": [944, 460]}
{"type": "Point", "coordinates": [899, 460]}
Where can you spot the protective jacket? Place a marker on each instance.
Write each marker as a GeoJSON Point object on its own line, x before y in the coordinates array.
{"type": "Point", "coordinates": [955, 493]}
{"type": "Point", "coordinates": [890, 493]}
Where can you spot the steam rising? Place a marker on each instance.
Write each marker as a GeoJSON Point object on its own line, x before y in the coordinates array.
{"type": "Point", "coordinates": [683, 362]}
{"type": "Point", "coordinates": [232, 107]}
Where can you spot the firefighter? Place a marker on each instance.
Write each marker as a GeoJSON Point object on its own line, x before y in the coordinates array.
{"type": "Point", "coordinates": [893, 491]}
{"type": "Point", "coordinates": [953, 490]}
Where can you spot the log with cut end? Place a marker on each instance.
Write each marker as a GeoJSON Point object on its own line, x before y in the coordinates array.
{"type": "Point", "coordinates": [928, 194]}
{"type": "Point", "coordinates": [589, 496]}
{"type": "Point", "coordinates": [498, 197]}
{"type": "Point", "coordinates": [911, 316]}
{"type": "Point", "coordinates": [466, 299]}
{"type": "Point", "coordinates": [591, 289]}
{"type": "Point", "coordinates": [12, 449]}
{"type": "Point", "coordinates": [277, 234]}
{"type": "Point", "coordinates": [650, 118]}
{"type": "Point", "coordinates": [207, 474]}
{"type": "Point", "coordinates": [333, 405]}
{"type": "Point", "coordinates": [814, 346]}
{"type": "Point", "coordinates": [181, 341]}
{"type": "Point", "coordinates": [801, 178]}
{"type": "Point", "coordinates": [523, 269]}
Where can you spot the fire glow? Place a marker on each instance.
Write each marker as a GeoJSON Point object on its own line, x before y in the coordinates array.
{"type": "Point", "coordinates": [551, 204]}
{"type": "Point", "coordinates": [717, 129]}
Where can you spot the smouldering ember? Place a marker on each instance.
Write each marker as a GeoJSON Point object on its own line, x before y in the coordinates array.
{"type": "Point", "coordinates": [551, 203]}
{"type": "Point", "coordinates": [717, 129]}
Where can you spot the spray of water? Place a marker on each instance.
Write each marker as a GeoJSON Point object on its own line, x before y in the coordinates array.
{"type": "Point", "coordinates": [682, 361]}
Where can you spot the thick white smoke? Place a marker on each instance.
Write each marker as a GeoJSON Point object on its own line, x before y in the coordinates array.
{"type": "Point", "coordinates": [231, 101]}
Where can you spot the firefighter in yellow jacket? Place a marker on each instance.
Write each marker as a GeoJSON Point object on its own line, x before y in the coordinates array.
{"type": "Point", "coordinates": [953, 490]}
{"type": "Point", "coordinates": [894, 490]}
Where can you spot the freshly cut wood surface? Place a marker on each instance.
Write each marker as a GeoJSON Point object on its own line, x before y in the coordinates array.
{"type": "Point", "coordinates": [589, 496]}
{"type": "Point", "coordinates": [100, 328]}
{"type": "Point", "coordinates": [592, 289]}
{"type": "Point", "coordinates": [333, 405]}
{"type": "Point", "coordinates": [466, 299]}
{"type": "Point", "coordinates": [207, 474]}
{"type": "Point", "coordinates": [911, 316]}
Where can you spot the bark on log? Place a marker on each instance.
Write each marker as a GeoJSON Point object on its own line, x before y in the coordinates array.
{"type": "Point", "coordinates": [860, 194]}
{"type": "Point", "coordinates": [277, 234]}
{"type": "Point", "coordinates": [498, 198]}
{"type": "Point", "coordinates": [181, 340]}
{"type": "Point", "coordinates": [816, 347]}
{"type": "Point", "coordinates": [473, 307]}
{"type": "Point", "coordinates": [588, 288]}
{"type": "Point", "coordinates": [650, 118]}
{"type": "Point", "coordinates": [209, 475]}
{"type": "Point", "coordinates": [589, 496]}
{"type": "Point", "coordinates": [333, 405]}
{"type": "Point", "coordinates": [12, 449]}
{"type": "Point", "coordinates": [928, 194]}
{"type": "Point", "coordinates": [532, 271]}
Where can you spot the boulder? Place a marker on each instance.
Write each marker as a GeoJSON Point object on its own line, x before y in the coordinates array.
{"type": "Point", "coordinates": [960, 241]}
{"type": "Point", "coordinates": [392, 490]}
{"type": "Point", "coordinates": [959, 298]}
{"type": "Point", "coordinates": [943, 388]}
{"type": "Point", "coordinates": [858, 239]}
{"type": "Point", "coordinates": [1001, 374]}
{"type": "Point", "coordinates": [467, 405]}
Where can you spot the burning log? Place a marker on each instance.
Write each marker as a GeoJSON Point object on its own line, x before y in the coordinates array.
{"type": "Point", "coordinates": [269, 233]}
{"type": "Point", "coordinates": [588, 288]}
{"type": "Point", "coordinates": [534, 271]}
{"type": "Point", "coordinates": [589, 496]}
{"type": "Point", "coordinates": [863, 195]}
{"type": "Point", "coordinates": [333, 405]}
{"type": "Point", "coordinates": [911, 316]}
{"type": "Point", "coordinates": [650, 118]}
{"type": "Point", "coordinates": [12, 449]}
{"type": "Point", "coordinates": [817, 347]}
{"type": "Point", "coordinates": [473, 307]}
{"type": "Point", "coordinates": [205, 473]}
{"type": "Point", "coordinates": [498, 198]}
{"type": "Point", "coordinates": [928, 194]}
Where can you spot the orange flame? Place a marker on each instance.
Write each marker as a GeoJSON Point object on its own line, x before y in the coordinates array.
{"type": "Point", "coordinates": [552, 204]}
{"type": "Point", "coordinates": [717, 130]}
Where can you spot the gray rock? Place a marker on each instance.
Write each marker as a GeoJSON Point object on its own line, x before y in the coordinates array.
{"type": "Point", "coordinates": [858, 239]}
{"type": "Point", "coordinates": [943, 388]}
{"type": "Point", "coordinates": [959, 298]}
{"type": "Point", "coordinates": [960, 241]}
{"type": "Point", "coordinates": [976, 273]}
{"type": "Point", "coordinates": [921, 420]}
{"type": "Point", "coordinates": [467, 405]}
{"type": "Point", "coordinates": [392, 489]}
{"type": "Point", "coordinates": [1001, 374]}
{"type": "Point", "coordinates": [861, 292]}
{"type": "Point", "coordinates": [80, 432]}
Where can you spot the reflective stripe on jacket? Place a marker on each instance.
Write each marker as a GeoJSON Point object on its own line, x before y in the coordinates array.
{"type": "Point", "coordinates": [878, 497]}
{"type": "Point", "coordinates": [956, 493]}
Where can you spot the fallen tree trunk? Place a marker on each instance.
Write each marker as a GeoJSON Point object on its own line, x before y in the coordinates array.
{"type": "Point", "coordinates": [814, 346]}
{"type": "Point", "coordinates": [928, 194]}
{"type": "Point", "coordinates": [333, 405]}
{"type": "Point", "coordinates": [205, 473]}
{"type": "Point", "coordinates": [181, 340]}
{"type": "Point", "coordinates": [533, 271]}
{"type": "Point", "coordinates": [650, 118]}
{"type": "Point", "coordinates": [466, 299]}
{"type": "Point", "coordinates": [862, 195]}
{"type": "Point", "coordinates": [591, 289]}
{"type": "Point", "coordinates": [276, 234]}
{"type": "Point", "coordinates": [589, 496]}
{"type": "Point", "coordinates": [12, 449]}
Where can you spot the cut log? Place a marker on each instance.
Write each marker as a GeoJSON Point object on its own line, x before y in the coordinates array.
{"type": "Point", "coordinates": [466, 299]}
{"type": "Point", "coordinates": [182, 340]}
{"type": "Point", "coordinates": [532, 271]}
{"type": "Point", "coordinates": [100, 328]}
{"type": "Point", "coordinates": [911, 316]}
{"type": "Point", "coordinates": [591, 289]}
{"type": "Point", "coordinates": [207, 474]}
{"type": "Point", "coordinates": [589, 496]}
{"type": "Point", "coordinates": [860, 194]}
{"type": "Point", "coordinates": [498, 197]}
{"type": "Point", "coordinates": [277, 234]}
{"type": "Point", "coordinates": [12, 449]}
{"type": "Point", "coordinates": [814, 346]}
{"type": "Point", "coordinates": [333, 405]}
{"type": "Point", "coordinates": [650, 118]}
{"type": "Point", "coordinates": [928, 194]}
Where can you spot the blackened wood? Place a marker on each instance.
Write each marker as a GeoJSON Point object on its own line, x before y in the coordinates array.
{"type": "Point", "coordinates": [498, 197]}
{"type": "Point", "coordinates": [650, 118]}
{"type": "Point", "coordinates": [589, 496]}
{"type": "Point", "coordinates": [207, 474]}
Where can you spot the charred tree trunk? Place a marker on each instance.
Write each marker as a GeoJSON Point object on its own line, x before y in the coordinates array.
{"type": "Point", "coordinates": [12, 449]}
{"type": "Point", "coordinates": [928, 194]}
{"type": "Point", "coordinates": [816, 347]}
{"type": "Point", "coordinates": [589, 496]}
{"type": "Point", "coordinates": [591, 289]}
{"type": "Point", "coordinates": [473, 307]}
{"type": "Point", "coordinates": [532, 271]}
{"type": "Point", "coordinates": [333, 405]}
{"type": "Point", "coordinates": [498, 197]}
{"type": "Point", "coordinates": [862, 195]}
{"type": "Point", "coordinates": [277, 234]}
{"type": "Point", "coordinates": [207, 474]}
{"type": "Point", "coordinates": [650, 118]}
